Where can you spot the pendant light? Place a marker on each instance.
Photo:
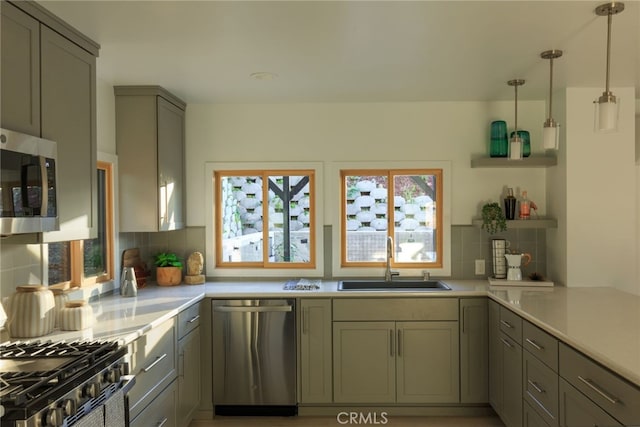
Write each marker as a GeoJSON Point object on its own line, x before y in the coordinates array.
{"type": "Point", "coordinates": [551, 130]}
{"type": "Point", "coordinates": [606, 111]}
{"type": "Point", "coordinates": [515, 143]}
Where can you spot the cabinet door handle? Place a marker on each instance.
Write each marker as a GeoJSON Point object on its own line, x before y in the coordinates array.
{"type": "Point", "coordinates": [507, 343]}
{"type": "Point", "coordinates": [181, 365]}
{"type": "Point", "coordinates": [534, 344]}
{"type": "Point", "coordinates": [399, 343]}
{"type": "Point", "coordinates": [305, 322]}
{"type": "Point", "coordinates": [507, 324]}
{"type": "Point", "coordinates": [391, 343]}
{"type": "Point", "coordinates": [193, 319]}
{"type": "Point", "coordinates": [536, 386]}
{"type": "Point", "coordinates": [155, 362]}
{"type": "Point", "coordinates": [464, 310]}
{"type": "Point", "coordinates": [595, 387]}
{"type": "Point", "coordinates": [163, 422]}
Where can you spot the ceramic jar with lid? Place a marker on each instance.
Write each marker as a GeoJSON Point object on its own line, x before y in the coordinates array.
{"type": "Point", "coordinates": [31, 312]}
{"type": "Point", "coordinates": [76, 315]}
{"type": "Point", "coordinates": [60, 297]}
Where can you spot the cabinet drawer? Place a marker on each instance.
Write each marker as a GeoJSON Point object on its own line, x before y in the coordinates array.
{"type": "Point", "coordinates": [616, 396]}
{"type": "Point", "coordinates": [400, 309]}
{"type": "Point", "coordinates": [160, 412]}
{"type": "Point", "coordinates": [153, 361]}
{"type": "Point", "coordinates": [530, 418]}
{"type": "Point", "coordinates": [511, 324]}
{"type": "Point", "coordinates": [540, 344]}
{"type": "Point", "coordinates": [540, 388]}
{"type": "Point", "coordinates": [188, 320]}
{"type": "Point", "coordinates": [578, 411]}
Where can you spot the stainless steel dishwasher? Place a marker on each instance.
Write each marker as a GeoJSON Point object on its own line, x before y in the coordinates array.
{"type": "Point", "coordinates": [254, 357]}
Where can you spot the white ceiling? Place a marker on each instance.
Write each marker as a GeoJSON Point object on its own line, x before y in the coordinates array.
{"type": "Point", "coordinates": [355, 51]}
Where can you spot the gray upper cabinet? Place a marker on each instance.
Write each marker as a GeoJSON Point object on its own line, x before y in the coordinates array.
{"type": "Point", "coordinates": [20, 66]}
{"type": "Point", "coordinates": [68, 98]}
{"type": "Point", "coordinates": [150, 147]}
{"type": "Point", "coordinates": [49, 90]}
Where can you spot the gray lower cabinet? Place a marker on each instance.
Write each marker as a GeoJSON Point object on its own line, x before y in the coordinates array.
{"type": "Point", "coordinates": [396, 350]}
{"type": "Point", "coordinates": [68, 116]}
{"type": "Point", "coordinates": [189, 377]}
{"type": "Point", "coordinates": [20, 71]}
{"type": "Point", "coordinates": [576, 410]}
{"type": "Point", "coordinates": [505, 355]}
{"type": "Point", "coordinates": [150, 146]}
{"type": "Point", "coordinates": [530, 417]}
{"type": "Point", "coordinates": [161, 412]}
{"type": "Point", "coordinates": [316, 377]}
{"type": "Point", "coordinates": [474, 352]}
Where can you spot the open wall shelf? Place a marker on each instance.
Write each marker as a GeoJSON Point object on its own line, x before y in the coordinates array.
{"type": "Point", "coordinates": [534, 161]}
{"type": "Point", "coordinates": [540, 222]}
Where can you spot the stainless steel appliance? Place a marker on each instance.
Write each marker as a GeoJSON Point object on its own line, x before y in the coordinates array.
{"type": "Point", "coordinates": [254, 357]}
{"type": "Point", "coordinates": [46, 384]}
{"type": "Point", "coordinates": [28, 184]}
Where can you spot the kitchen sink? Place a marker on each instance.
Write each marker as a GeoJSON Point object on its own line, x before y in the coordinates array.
{"type": "Point", "coordinates": [395, 285]}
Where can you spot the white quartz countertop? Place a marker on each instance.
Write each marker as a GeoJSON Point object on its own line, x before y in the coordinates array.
{"type": "Point", "coordinates": [603, 323]}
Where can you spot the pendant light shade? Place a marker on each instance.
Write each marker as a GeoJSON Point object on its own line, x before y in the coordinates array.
{"type": "Point", "coordinates": [551, 130]}
{"type": "Point", "coordinates": [606, 111]}
{"type": "Point", "coordinates": [516, 143]}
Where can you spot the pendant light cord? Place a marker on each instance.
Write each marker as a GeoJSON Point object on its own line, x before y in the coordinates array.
{"type": "Point", "coordinates": [550, 87]}
{"type": "Point", "coordinates": [609, 20]}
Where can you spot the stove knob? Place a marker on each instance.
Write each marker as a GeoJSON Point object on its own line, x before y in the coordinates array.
{"type": "Point", "coordinates": [113, 375]}
{"type": "Point", "coordinates": [91, 390]}
{"type": "Point", "coordinates": [69, 407]}
{"type": "Point", "coordinates": [54, 417]}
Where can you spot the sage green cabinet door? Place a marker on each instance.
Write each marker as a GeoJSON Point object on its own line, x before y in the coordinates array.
{"type": "Point", "coordinates": [511, 382]}
{"type": "Point", "coordinates": [427, 362]}
{"type": "Point", "coordinates": [474, 351]}
{"type": "Point", "coordinates": [68, 102]}
{"type": "Point", "coordinates": [170, 166]}
{"type": "Point", "coordinates": [315, 351]}
{"type": "Point", "coordinates": [20, 71]}
{"type": "Point", "coordinates": [530, 418]}
{"type": "Point", "coordinates": [188, 376]}
{"type": "Point", "coordinates": [495, 358]}
{"type": "Point", "coordinates": [576, 410]}
{"type": "Point", "coordinates": [364, 362]}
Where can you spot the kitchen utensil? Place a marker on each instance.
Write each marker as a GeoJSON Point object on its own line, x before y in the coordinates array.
{"type": "Point", "coordinates": [514, 262]}
{"type": "Point", "coordinates": [128, 285]}
{"type": "Point", "coordinates": [31, 312]}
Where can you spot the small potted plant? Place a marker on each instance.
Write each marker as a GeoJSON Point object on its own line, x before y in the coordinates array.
{"type": "Point", "coordinates": [493, 219]}
{"type": "Point", "coordinates": [169, 269]}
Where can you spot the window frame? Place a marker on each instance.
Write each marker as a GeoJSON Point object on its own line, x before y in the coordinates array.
{"type": "Point", "coordinates": [265, 263]}
{"type": "Point", "coordinates": [391, 173]}
{"type": "Point", "coordinates": [278, 270]}
{"type": "Point", "coordinates": [76, 248]}
{"type": "Point", "coordinates": [333, 204]}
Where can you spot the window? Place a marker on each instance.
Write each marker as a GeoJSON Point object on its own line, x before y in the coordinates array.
{"type": "Point", "coordinates": [84, 262]}
{"type": "Point", "coordinates": [252, 233]}
{"type": "Point", "coordinates": [404, 204]}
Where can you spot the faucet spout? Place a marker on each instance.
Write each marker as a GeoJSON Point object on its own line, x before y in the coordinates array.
{"type": "Point", "coordinates": [388, 274]}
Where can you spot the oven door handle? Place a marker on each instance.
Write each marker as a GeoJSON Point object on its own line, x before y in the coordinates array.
{"type": "Point", "coordinates": [128, 381]}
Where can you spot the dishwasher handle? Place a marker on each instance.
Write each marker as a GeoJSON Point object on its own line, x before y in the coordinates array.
{"type": "Point", "coordinates": [250, 309]}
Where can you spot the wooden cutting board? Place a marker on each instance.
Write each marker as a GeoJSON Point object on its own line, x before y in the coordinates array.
{"type": "Point", "coordinates": [131, 258]}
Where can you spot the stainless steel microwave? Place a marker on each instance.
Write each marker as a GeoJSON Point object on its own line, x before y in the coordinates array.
{"type": "Point", "coordinates": [28, 184]}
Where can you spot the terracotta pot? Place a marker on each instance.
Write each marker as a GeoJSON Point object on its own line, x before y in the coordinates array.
{"type": "Point", "coordinates": [168, 276]}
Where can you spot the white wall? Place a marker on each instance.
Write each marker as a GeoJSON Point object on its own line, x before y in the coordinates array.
{"type": "Point", "coordinates": [597, 179]}
{"type": "Point", "coordinates": [367, 132]}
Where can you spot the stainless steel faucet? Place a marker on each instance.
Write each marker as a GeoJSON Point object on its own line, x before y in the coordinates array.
{"type": "Point", "coordinates": [388, 274]}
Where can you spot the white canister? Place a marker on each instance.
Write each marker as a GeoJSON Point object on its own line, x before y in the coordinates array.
{"type": "Point", "coordinates": [76, 315]}
{"type": "Point", "coordinates": [31, 312]}
{"type": "Point", "coordinates": [61, 297]}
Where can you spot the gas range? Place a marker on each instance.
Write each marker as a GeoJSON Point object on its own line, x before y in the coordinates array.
{"type": "Point", "coordinates": [57, 383]}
